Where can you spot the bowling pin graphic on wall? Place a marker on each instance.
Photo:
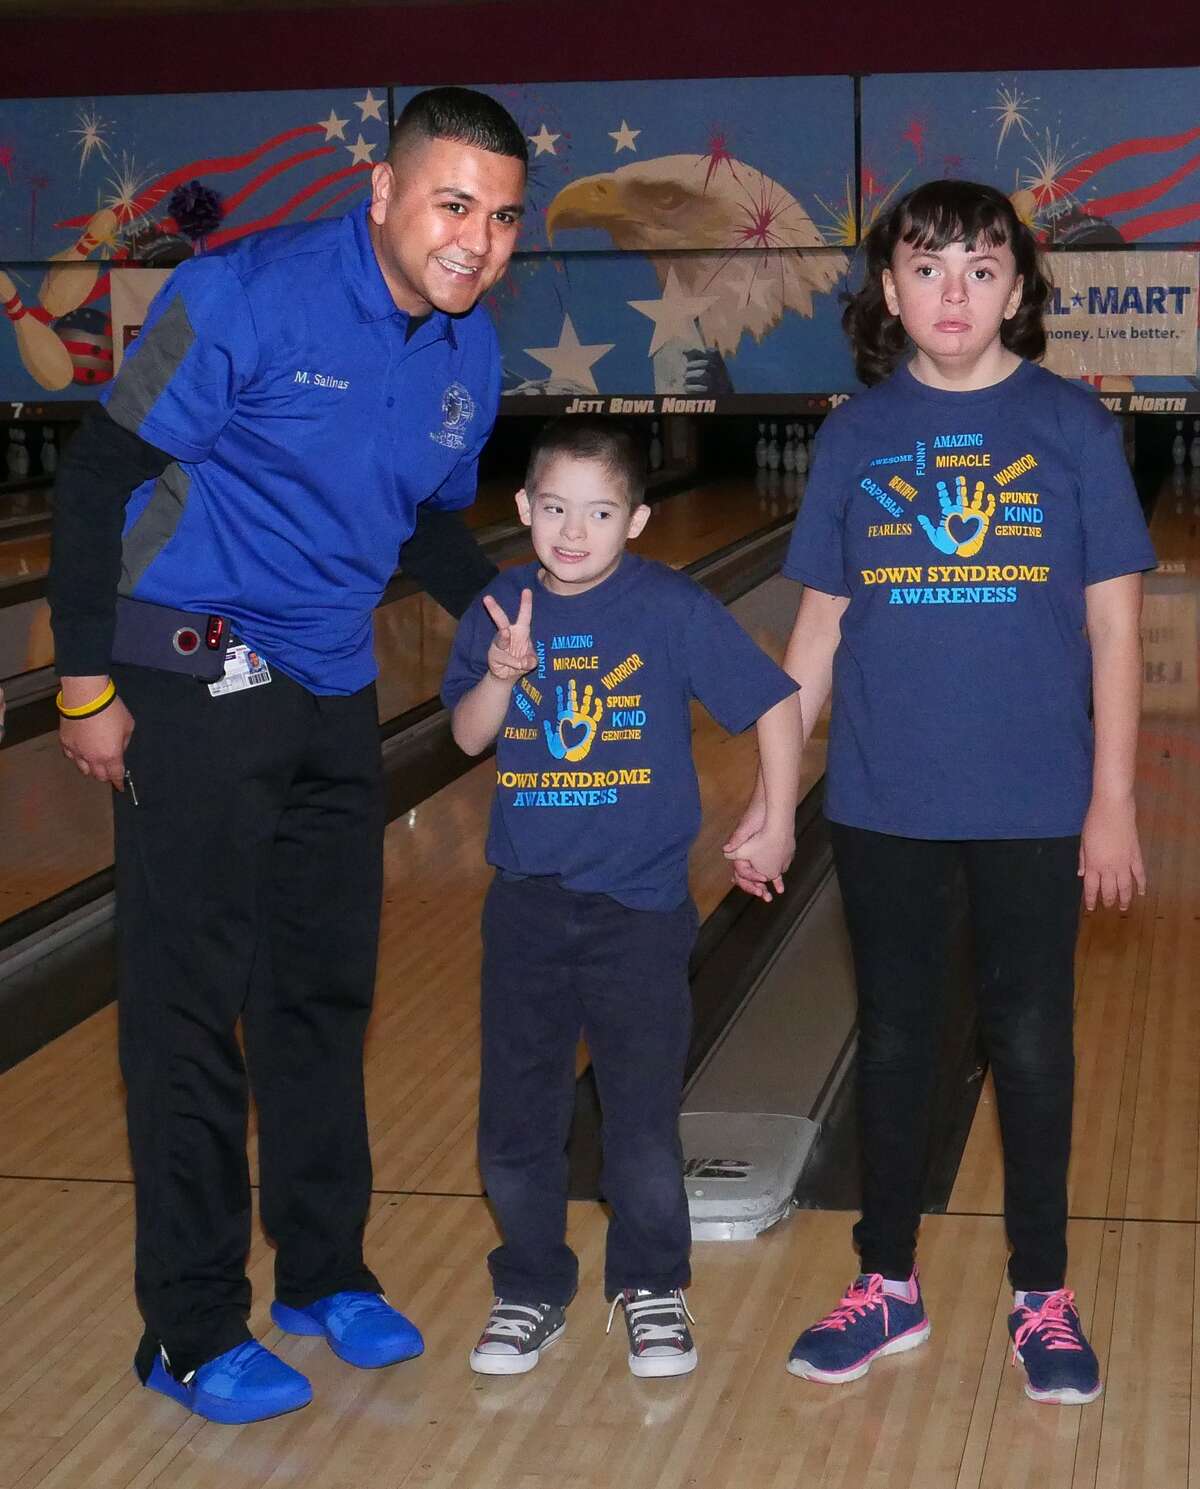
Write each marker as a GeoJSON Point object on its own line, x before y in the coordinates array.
{"type": "Point", "coordinates": [45, 357]}
{"type": "Point", "coordinates": [71, 279]}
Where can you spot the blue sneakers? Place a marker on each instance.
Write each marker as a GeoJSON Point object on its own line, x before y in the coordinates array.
{"type": "Point", "coordinates": [245, 1384]}
{"type": "Point", "coordinates": [866, 1323]}
{"type": "Point", "coordinates": [361, 1328]}
{"type": "Point", "coordinates": [1048, 1339]}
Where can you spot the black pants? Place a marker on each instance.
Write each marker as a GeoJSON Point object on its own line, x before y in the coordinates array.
{"type": "Point", "coordinates": [1024, 900]}
{"type": "Point", "coordinates": [248, 886]}
{"type": "Point", "coordinates": [555, 963]}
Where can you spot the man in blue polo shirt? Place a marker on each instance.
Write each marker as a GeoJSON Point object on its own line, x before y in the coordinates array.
{"type": "Point", "coordinates": [298, 411]}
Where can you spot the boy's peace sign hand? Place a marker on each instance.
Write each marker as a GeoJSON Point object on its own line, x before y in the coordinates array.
{"type": "Point", "coordinates": [510, 654]}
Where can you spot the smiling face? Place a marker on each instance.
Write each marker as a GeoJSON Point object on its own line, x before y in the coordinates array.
{"type": "Point", "coordinates": [952, 303]}
{"type": "Point", "coordinates": [443, 222]}
{"type": "Point", "coordinates": [580, 519]}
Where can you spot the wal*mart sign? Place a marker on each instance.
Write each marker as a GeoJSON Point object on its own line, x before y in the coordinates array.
{"type": "Point", "coordinates": [1122, 313]}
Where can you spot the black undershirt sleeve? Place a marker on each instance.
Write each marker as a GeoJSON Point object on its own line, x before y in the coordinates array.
{"type": "Point", "coordinates": [443, 557]}
{"type": "Point", "coordinates": [99, 471]}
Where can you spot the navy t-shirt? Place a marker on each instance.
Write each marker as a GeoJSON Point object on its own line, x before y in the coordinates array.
{"type": "Point", "coordinates": [594, 776]}
{"type": "Point", "coordinates": [964, 528]}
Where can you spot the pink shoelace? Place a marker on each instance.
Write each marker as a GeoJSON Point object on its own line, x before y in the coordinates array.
{"type": "Point", "coordinates": [857, 1303]}
{"type": "Point", "coordinates": [1050, 1322]}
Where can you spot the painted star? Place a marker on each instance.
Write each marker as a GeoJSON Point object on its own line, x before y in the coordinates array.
{"type": "Point", "coordinates": [624, 138]}
{"type": "Point", "coordinates": [570, 360]}
{"type": "Point", "coordinates": [360, 152]}
{"type": "Point", "coordinates": [675, 315]}
{"type": "Point", "coordinates": [334, 127]}
{"type": "Point", "coordinates": [370, 107]}
{"type": "Point", "coordinates": [1077, 299]}
{"type": "Point", "coordinates": [543, 141]}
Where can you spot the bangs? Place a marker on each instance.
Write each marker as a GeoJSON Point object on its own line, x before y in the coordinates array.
{"type": "Point", "coordinates": [953, 212]}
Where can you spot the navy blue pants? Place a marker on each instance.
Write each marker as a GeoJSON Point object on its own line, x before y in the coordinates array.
{"type": "Point", "coordinates": [555, 964]}
{"type": "Point", "coordinates": [1023, 896]}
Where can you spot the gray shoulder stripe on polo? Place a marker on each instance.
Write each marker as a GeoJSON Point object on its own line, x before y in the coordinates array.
{"type": "Point", "coordinates": [155, 527]}
{"type": "Point", "coordinates": [143, 378]}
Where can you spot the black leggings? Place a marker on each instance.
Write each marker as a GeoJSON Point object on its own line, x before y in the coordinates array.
{"type": "Point", "coordinates": [1024, 897]}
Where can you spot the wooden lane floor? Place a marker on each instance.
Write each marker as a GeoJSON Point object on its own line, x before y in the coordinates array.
{"type": "Point", "coordinates": [56, 827]}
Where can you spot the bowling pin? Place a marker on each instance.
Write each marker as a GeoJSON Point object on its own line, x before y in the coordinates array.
{"type": "Point", "coordinates": [48, 455]}
{"type": "Point", "coordinates": [1178, 448]}
{"type": "Point", "coordinates": [68, 284]}
{"type": "Point", "coordinates": [46, 359]}
{"type": "Point", "coordinates": [789, 450]}
{"type": "Point", "coordinates": [1194, 453]}
{"type": "Point", "coordinates": [760, 449]}
{"type": "Point", "coordinates": [656, 448]}
{"type": "Point", "coordinates": [16, 457]}
{"type": "Point", "coordinates": [801, 458]}
{"type": "Point", "coordinates": [773, 449]}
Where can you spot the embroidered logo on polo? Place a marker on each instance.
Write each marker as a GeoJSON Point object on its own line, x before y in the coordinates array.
{"type": "Point", "coordinates": [458, 409]}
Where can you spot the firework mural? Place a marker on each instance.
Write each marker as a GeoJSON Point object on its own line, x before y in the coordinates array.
{"type": "Point", "coordinates": [687, 237]}
{"type": "Point", "coordinates": [1091, 160]}
{"type": "Point", "coordinates": [88, 185]}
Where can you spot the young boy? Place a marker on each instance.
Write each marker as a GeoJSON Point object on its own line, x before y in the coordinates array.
{"type": "Point", "coordinates": [582, 667]}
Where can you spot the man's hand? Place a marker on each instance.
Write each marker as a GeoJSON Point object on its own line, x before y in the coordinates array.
{"type": "Point", "coordinates": [96, 746]}
{"type": "Point", "coordinates": [510, 654]}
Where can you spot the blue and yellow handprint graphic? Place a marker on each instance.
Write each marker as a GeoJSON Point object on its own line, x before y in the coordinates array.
{"type": "Point", "coordinates": [573, 732]}
{"type": "Point", "coordinates": [965, 521]}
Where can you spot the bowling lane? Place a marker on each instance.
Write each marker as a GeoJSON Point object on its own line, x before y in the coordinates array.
{"type": "Point", "coordinates": [56, 828]}
{"type": "Point", "coordinates": [422, 1065]}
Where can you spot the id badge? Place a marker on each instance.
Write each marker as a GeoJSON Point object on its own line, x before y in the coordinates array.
{"type": "Point", "coordinates": [243, 669]}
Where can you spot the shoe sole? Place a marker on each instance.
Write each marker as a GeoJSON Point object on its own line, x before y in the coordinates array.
{"type": "Point", "coordinates": [513, 1364]}
{"type": "Point", "coordinates": [293, 1321]}
{"type": "Point", "coordinates": [896, 1346]}
{"type": "Point", "coordinates": [649, 1367]}
{"type": "Point", "coordinates": [1063, 1395]}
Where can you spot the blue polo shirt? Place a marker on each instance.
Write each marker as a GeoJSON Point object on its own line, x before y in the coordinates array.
{"type": "Point", "coordinates": [308, 421]}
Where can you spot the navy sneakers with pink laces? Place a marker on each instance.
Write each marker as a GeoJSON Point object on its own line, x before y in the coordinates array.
{"type": "Point", "coordinates": [1048, 1339]}
{"type": "Point", "coordinates": [868, 1322]}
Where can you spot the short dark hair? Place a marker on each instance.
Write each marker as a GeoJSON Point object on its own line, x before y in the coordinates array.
{"type": "Point", "coordinates": [932, 216]}
{"type": "Point", "coordinates": [590, 437]}
{"type": "Point", "coordinates": [459, 114]}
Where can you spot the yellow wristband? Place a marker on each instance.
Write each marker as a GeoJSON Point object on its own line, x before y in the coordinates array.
{"type": "Point", "coordinates": [87, 709]}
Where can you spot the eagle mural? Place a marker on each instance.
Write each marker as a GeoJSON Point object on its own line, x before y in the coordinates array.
{"type": "Point", "coordinates": [698, 218]}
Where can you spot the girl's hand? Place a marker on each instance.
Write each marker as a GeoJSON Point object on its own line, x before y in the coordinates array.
{"type": "Point", "coordinates": [752, 822]}
{"type": "Point", "coordinates": [510, 654]}
{"type": "Point", "coordinates": [761, 861]}
{"type": "Point", "coordinates": [1110, 856]}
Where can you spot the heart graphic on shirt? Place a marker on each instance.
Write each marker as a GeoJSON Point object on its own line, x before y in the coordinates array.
{"type": "Point", "coordinates": [965, 517]}
{"type": "Point", "coordinates": [573, 735]}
